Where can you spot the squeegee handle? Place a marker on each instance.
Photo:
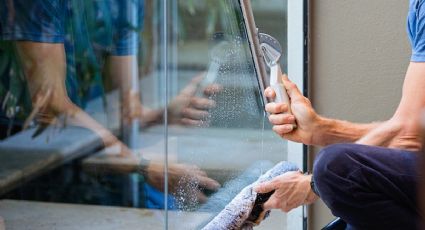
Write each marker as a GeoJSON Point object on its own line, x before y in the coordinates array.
{"type": "Point", "coordinates": [277, 85]}
{"type": "Point", "coordinates": [282, 95]}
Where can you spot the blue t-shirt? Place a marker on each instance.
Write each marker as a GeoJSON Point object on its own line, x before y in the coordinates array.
{"type": "Point", "coordinates": [90, 31]}
{"type": "Point", "coordinates": [109, 25]}
{"type": "Point", "coordinates": [416, 29]}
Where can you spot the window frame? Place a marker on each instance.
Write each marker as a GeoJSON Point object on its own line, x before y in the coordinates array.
{"type": "Point", "coordinates": [298, 73]}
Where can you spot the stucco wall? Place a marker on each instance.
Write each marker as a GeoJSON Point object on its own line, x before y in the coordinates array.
{"type": "Point", "coordinates": [359, 55]}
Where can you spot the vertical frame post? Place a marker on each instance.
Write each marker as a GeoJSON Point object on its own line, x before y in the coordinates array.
{"type": "Point", "coordinates": [296, 72]}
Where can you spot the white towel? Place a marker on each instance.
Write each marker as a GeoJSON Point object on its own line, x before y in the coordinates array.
{"type": "Point", "coordinates": [238, 214]}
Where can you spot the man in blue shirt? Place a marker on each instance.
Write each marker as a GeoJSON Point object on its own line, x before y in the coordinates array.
{"type": "Point", "coordinates": [366, 174]}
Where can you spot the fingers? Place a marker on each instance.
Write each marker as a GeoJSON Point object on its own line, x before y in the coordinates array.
{"type": "Point", "coordinates": [281, 119]}
{"type": "Point", "coordinates": [202, 103]}
{"type": "Point", "coordinates": [212, 89]}
{"type": "Point", "coordinates": [199, 176]}
{"type": "Point", "coordinates": [272, 203]}
{"type": "Point", "coordinates": [202, 178]}
{"type": "Point", "coordinates": [283, 129]}
{"type": "Point", "coordinates": [276, 108]}
{"type": "Point", "coordinates": [191, 122]}
{"type": "Point", "coordinates": [291, 88]}
{"type": "Point", "coordinates": [194, 114]}
{"type": "Point", "coordinates": [270, 93]}
{"type": "Point", "coordinates": [197, 112]}
{"type": "Point", "coordinates": [283, 122]}
{"type": "Point", "coordinates": [276, 203]}
{"type": "Point", "coordinates": [202, 198]}
{"type": "Point", "coordinates": [208, 183]}
{"type": "Point", "coordinates": [266, 187]}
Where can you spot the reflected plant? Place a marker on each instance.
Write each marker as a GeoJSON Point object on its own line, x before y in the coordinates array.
{"type": "Point", "coordinates": [15, 102]}
{"type": "Point", "coordinates": [84, 66]}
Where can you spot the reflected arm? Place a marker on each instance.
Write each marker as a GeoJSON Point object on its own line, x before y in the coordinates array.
{"type": "Point", "coordinates": [123, 71]}
{"type": "Point", "coordinates": [44, 66]}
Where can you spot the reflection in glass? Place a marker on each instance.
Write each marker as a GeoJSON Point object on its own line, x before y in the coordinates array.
{"type": "Point", "coordinates": [231, 144]}
{"type": "Point", "coordinates": [83, 103]}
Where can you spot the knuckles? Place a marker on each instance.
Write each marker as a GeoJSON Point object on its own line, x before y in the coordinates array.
{"type": "Point", "coordinates": [281, 119]}
{"type": "Point", "coordinates": [276, 108]}
{"type": "Point", "coordinates": [291, 85]}
{"type": "Point", "coordinates": [282, 129]}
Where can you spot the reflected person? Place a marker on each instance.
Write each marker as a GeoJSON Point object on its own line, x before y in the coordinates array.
{"type": "Point", "coordinates": [51, 61]}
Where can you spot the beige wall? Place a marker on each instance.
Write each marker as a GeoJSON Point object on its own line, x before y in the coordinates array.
{"type": "Point", "coordinates": [359, 54]}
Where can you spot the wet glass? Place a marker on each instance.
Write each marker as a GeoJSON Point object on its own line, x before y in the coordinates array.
{"type": "Point", "coordinates": [131, 113]}
{"type": "Point", "coordinates": [232, 141]}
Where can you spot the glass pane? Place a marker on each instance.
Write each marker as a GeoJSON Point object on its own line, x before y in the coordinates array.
{"type": "Point", "coordinates": [226, 137]}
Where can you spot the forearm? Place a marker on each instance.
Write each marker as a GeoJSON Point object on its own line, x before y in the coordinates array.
{"type": "Point", "coordinates": [77, 117]}
{"type": "Point", "coordinates": [401, 131]}
{"type": "Point", "coordinates": [123, 71]}
{"type": "Point", "coordinates": [44, 65]}
{"type": "Point", "coordinates": [332, 131]}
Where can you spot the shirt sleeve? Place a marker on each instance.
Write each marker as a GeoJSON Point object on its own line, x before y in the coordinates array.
{"type": "Point", "coordinates": [418, 41]}
{"type": "Point", "coordinates": [34, 20]}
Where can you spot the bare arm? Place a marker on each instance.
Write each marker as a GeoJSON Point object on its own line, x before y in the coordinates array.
{"type": "Point", "coordinates": [401, 131]}
{"type": "Point", "coordinates": [338, 131]}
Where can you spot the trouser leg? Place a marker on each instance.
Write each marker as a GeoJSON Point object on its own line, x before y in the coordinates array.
{"type": "Point", "coordinates": [368, 187]}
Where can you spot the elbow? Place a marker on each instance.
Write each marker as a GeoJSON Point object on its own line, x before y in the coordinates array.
{"type": "Point", "coordinates": [401, 123]}
{"type": "Point", "coordinates": [406, 131]}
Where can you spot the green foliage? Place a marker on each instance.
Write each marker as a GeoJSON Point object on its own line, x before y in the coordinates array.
{"type": "Point", "coordinates": [14, 95]}
{"type": "Point", "coordinates": [84, 67]}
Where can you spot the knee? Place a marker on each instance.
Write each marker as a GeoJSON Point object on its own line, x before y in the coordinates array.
{"type": "Point", "coordinates": [331, 158]}
{"type": "Point", "coordinates": [332, 164]}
